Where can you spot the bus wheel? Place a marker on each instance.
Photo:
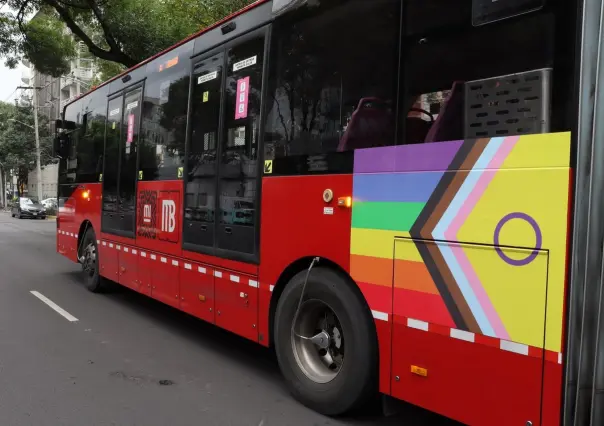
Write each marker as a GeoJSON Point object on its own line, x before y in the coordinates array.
{"type": "Point", "coordinates": [88, 257]}
{"type": "Point", "coordinates": [328, 356]}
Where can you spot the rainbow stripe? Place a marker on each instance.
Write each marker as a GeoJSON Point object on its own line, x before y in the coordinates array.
{"type": "Point", "coordinates": [427, 220]}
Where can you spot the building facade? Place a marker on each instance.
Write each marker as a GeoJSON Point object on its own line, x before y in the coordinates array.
{"type": "Point", "coordinates": [53, 94]}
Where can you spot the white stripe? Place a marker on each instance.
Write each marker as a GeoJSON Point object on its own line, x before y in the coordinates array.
{"type": "Point", "coordinates": [506, 345]}
{"type": "Point", "coordinates": [383, 316]}
{"type": "Point", "coordinates": [272, 287]}
{"type": "Point", "coordinates": [253, 283]}
{"type": "Point", "coordinates": [187, 266]}
{"type": "Point", "coordinates": [110, 245]}
{"type": "Point", "coordinates": [235, 278]}
{"type": "Point", "coordinates": [153, 257]}
{"type": "Point", "coordinates": [143, 254]}
{"type": "Point", "coordinates": [118, 247]}
{"type": "Point", "coordinates": [559, 358]}
{"type": "Point", "coordinates": [175, 263]}
{"type": "Point", "coordinates": [164, 260]}
{"type": "Point", "coordinates": [218, 274]}
{"type": "Point", "coordinates": [104, 243]}
{"type": "Point", "coordinates": [201, 269]}
{"type": "Point", "coordinates": [134, 251]}
{"type": "Point", "coordinates": [54, 306]}
{"type": "Point", "coordinates": [420, 325]}
{"type": "Point", "coordinates": [462, 335]}
{"type": "Point", "coordinates": [126, 249]}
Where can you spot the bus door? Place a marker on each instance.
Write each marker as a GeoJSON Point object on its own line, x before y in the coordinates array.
{"type": "Point", "coordinates": [119, 171]}
{"type": "Point", "coordinates": [222, 185]}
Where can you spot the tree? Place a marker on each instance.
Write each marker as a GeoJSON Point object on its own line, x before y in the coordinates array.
{"type": "Point", "coordinates": [17, 141]}
{"type": "Point", "coordinates": [122, 32]}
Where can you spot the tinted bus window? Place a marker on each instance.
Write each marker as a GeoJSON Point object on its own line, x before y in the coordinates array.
{"type": "Point", "coordinates": [68, 164]}
{"type": "Point", "coordinates": [332, 83]}
{"type": "Point", "coordinates": [128, 148]}
{"type": "Point", "coordinates": [112, 158]}
{"type": "Point", "coordinates": [459, 81]}
{"type": "Point", "coordinates": [91, 144]}
{"type": "Point", "coordinates": [164, 115]}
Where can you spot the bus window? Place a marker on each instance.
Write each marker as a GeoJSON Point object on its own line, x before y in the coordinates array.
{"type": "Point", "coordinates": [462, 82]}
{"type": "Point", "coordinates": [332, 80]}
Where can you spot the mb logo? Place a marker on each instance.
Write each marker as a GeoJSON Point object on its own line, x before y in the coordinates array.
{"type": "Point", "coordinates": [168, 215]}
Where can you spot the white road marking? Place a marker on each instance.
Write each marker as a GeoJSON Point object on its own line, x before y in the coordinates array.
{"type": "Point", "coordinates": [54, 306]}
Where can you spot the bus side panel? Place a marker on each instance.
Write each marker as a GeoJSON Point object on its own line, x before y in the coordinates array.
{"type": "Point", "coordinates": [477, 275]}
{"type": "Point", "coordinates": [297, 223]}
{"type": "Point", "coordinates": [158, 218]}
{"type": "Point", "coordinates": [80, 202]}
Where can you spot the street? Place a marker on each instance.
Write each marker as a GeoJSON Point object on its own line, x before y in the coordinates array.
{"type": "Point", "coordinates": [124, 359]}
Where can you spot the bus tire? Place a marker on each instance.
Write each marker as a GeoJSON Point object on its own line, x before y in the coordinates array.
{"type": "Point", "coordinates": [310, 375]}
{"type": "Point", "coordinates": [89, 250]}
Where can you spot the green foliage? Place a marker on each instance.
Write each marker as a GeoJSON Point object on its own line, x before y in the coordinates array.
{"type": "Point", "coordinates": [119, 33]}
{"type": "Point", "coordinates": [17, 141]}
{"type": "Point", "coordinates": [48, 45]}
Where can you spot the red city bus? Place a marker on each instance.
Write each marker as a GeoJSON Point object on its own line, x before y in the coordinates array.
{"type": "Point", "coordinates": [379, 190]}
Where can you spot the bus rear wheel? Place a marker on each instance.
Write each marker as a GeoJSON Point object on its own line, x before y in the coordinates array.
{"type": "Point", "coordinates": [89, 259]}
{"type": "Point", "coordinates": [328, 353]}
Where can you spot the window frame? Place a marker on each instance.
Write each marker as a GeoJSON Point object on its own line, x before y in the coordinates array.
{"type": "Point", "coordinates": [264, 31]}
{"type": "Point", "coordinates": [332, 162]}
{"type": "Point", "coordinates": [109, 228]}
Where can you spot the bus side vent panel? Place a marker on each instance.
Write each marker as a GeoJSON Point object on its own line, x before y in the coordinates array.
{"type": "Point", "coordinates": [516, 104]}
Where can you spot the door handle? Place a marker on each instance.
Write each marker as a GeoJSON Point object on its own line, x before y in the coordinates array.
{"type": "Point", "coordinates": [121, 216]}
{"type": "Point", "coordinates": [228, 230]}
{"type": "Point", "coordinates": [204, 228]}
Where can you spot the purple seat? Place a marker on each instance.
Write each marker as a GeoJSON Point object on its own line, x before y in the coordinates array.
{"type": "Point", "coordinates": [449, 124]}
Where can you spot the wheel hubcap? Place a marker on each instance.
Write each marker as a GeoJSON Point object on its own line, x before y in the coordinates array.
{"type": "Point", "coordinates": [89, 262]}
{"type": "Point", "coordinates": [317, 342]}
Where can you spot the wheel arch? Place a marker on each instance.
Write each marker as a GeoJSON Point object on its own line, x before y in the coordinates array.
{"type": "Point", "coordinates": [84, 226]}
{"type": "Point", "coordinates": [300, 265]}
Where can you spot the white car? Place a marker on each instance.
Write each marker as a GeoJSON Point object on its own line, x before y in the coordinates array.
{"type": "Point", "coordinates": [49, 203]}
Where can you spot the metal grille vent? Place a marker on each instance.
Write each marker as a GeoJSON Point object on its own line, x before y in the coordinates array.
{"type": "Point", "coordinates": [515, 104]}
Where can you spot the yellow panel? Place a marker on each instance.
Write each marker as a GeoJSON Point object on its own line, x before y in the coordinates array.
{"type": "Point", "coordinates": [547, 150]}
{"type": "Point", "coordinates": [377, 243]}
{"type": "Point", "coordinates": [517, 294]}
{"type": "Point", "coordinates": [543, 195]}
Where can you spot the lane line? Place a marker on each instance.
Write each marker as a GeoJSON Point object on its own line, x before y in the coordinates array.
{"type": "Point", "coordinates": [54, 306]}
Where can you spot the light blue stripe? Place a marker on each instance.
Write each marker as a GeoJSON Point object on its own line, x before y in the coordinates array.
{"type": "Point", "coordinates": [467, 186]}
{"type": "Point", "coordinates": [466, 289]}
{"type": "Point", "coordinates": [453, 210]}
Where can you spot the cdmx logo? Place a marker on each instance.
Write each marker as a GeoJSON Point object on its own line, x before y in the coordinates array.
{"type": "Point", "coordinates": [147, 206]}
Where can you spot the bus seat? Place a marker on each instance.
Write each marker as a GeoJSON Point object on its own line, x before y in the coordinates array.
{"type": "Point", "coordinates": [371, 125]}
{"type": "Point", "coordinates": [449, 124]}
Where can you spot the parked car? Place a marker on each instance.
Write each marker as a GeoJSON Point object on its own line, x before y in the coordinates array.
{"type": "Point", "coordinates": [28, 207]}
{"type": "Point", "coordinates": [49, 203]}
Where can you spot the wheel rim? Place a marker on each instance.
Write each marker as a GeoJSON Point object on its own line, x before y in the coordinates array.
{"type": "Point", "coordinates": [318, 341]}
{"type": "Point", "coordinates": [89, 263]}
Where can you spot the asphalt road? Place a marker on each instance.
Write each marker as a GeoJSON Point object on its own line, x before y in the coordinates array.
{"type": "Point", "coordinates": [129, 360]}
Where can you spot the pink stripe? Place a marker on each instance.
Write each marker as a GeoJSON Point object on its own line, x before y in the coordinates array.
{"type": "Point", "coordinates": [484, 180]}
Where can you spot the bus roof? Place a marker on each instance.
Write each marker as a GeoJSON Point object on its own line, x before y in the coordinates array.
{"type": "Point", "coordinates": [191, 37]}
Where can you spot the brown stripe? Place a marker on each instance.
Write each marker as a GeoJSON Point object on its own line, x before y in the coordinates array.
{"type": "Point", "coordinates": [436, 216]}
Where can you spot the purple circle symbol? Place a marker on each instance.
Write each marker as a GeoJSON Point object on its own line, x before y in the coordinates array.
{"type": "Point", "coordinates": [538, 242]}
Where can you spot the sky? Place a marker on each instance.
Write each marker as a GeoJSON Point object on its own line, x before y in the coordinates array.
{"type": "Point", "coordinates": [10, 79]}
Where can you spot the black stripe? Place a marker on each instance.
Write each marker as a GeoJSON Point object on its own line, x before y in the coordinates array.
{"type": "Point", "coordinates": [321, 164]}
{"type": "Point", "coordinates": [441, 188]}
{"type": "Point", "coordinates": [423, 217]}
{"type": "Point", "coordinates": [439, 281]}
